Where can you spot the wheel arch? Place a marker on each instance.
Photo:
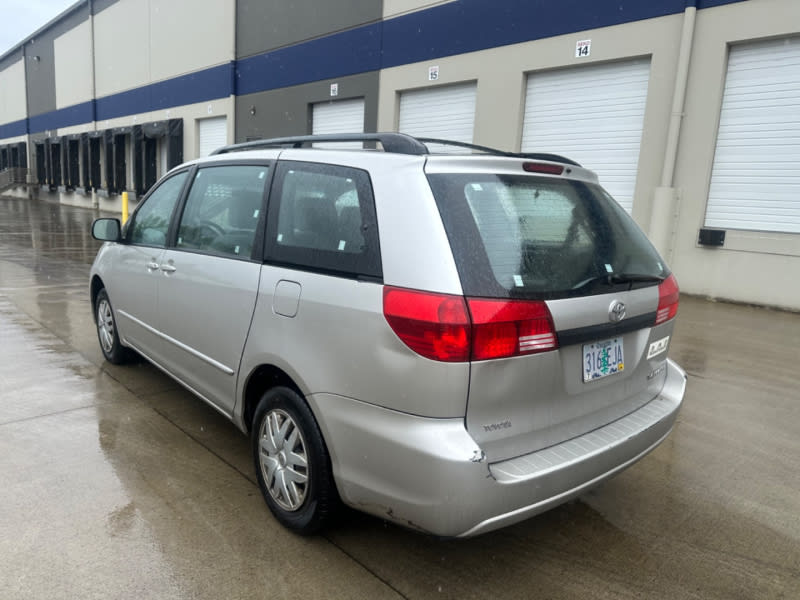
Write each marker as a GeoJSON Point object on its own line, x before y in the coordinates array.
{"type": "Point", "coordinates": [261, 379]}
{"type": "Point", "coordinates": [94, 289]}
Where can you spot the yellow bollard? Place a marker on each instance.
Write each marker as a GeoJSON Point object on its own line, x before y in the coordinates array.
{"type": "Point", "coordinates": [124, 207]}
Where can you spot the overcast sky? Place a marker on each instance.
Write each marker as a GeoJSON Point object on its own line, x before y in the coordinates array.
{"type": "Point", "coordinates": [20, 18]}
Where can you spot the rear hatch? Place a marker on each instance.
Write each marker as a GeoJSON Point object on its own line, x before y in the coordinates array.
{"type": "Point", "coordinates": [571, 306]}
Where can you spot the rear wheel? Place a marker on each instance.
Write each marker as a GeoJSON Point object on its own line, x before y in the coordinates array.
{"type": "Point", "coordinates": [292, 462]}
{"type": "Point", "coordinates": [107, 334]}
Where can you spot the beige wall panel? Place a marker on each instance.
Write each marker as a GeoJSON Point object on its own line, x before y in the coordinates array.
{"type": "Point", "coordinates": [752, 266]}
{"type": "Point", "coordinates": [13, 106]}
{"type": "Point", "coordinates": [14, 140]}
{"type": "Point", "coordinates": [393, 8]}
{"type": "Point", "coordinates": [501, 74]}
{"type": "Point", "coordinates": [122, 48]}
{"type": "Point", "coordinates": [73, 53]}
{"type": "Point", "coordinates": [185, 38]}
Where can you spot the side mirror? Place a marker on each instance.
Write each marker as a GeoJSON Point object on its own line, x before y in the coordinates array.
{"type": "Point", "coordinates": [106, 230]}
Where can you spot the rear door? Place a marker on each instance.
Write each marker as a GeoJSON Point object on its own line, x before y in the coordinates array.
{"type": "Point", "coordinates": [209, 278]}
{"type": "Point", "coordinates": [564, 244]}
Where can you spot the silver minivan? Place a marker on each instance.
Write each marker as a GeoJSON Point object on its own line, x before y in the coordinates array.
{"type": "Point", "coordinates": [453, 342]}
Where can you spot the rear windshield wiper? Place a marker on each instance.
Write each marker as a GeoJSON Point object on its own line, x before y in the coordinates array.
{"type": "Point", "coordinates": [618, 279]}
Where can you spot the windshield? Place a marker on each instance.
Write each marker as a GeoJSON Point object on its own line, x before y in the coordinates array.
{"type": "Point", "coordinates": [538, 237]}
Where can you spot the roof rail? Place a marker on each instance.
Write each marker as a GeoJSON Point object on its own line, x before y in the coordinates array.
{"type": "Point", "coordinates": [397, 143]}
{"type": "Point", "coordinates": [496, 152]}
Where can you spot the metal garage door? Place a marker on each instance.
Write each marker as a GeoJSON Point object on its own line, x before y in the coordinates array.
{"type": "Point", "coordinates": [755, 179]}
{"type": "Point", "coordinates": [442, 112]}
{"type": "Point", "coordinates": [339, 116]}
{"type": "Point", "coordinates": [594, 115]}
{"type": "Point", "coordinates": [213, 134]}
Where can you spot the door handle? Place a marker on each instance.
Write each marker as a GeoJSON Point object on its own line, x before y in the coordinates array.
{"type": "Point", "coordinates": [152, 266]}
{"type": "Point", "coordinates": [168, 268]}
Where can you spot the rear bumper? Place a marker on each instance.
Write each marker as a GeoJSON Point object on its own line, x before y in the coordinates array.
{"type": "Point", "coordinates": [429, 474]}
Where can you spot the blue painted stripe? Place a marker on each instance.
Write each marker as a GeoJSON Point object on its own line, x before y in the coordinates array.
{"type": "Point", "coordinates": [346, 53]}
{"type": "Point", "coordinates": [445, 30]}
{"type": "Point", "coordinates": [471, 25]}
{"type": "Point", "coordinates": [14, 129]}
{"type": "Point", "coordinates": [202, 86]}
{"type": "Point", "coordinates": [64, 117]}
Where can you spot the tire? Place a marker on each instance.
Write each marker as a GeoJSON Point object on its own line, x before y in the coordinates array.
{"type": "Point", "coordinates": [292, 464]}
{"type": "Point", "coordinates": [113, 350]}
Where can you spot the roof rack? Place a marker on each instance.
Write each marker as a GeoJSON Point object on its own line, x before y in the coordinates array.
{"type": "Point", "coordinates": [396, 143]}
{"type": "Point", "coordinates": [496, 152]}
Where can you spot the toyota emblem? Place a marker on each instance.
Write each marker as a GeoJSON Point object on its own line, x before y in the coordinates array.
{"type": "Point", "coordinates": [616, 312]}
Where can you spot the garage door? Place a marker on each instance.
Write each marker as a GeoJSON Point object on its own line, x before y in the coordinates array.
{"type": "Point", "coordinates": [443, 112]}
{"type": "Point", "coordinates": [594, 115]}
{"type": "Point", "coordinates": [213, 134]}
{"type": "Point", "coordinates": [340, 116]}
{"type": "Point", "coordinates": [755, 179]}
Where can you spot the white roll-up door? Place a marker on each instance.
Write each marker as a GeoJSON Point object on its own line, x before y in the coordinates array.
{"type": "Point", "coordinates": [755, 181]}
{"type": "Point", "coordinates": [594, 115]}
{"type": "Point", "coordinates": [442, 112]}
{"type": "Point", "coordinates": [213, 134]}
{"type": "Point", "coordinates": [338, 116]}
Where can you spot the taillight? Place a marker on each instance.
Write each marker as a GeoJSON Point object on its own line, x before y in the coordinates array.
{"type": "Point", "coordinates": [502, 328]}
{"type": "Point", "coordinates": [668, 294]}
{"type": "Point", "coordinates": [441, 327]}
{"type": "Point", "coordinates": [433, 325]}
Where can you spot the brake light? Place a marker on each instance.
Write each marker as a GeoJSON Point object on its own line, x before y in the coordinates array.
{"type": "Point", "coordinates": [668, 295]}
{"type": "Point", "coordinates": [502, 328]}
{"type": "Point", "coordinates": [547, 168]}
{"type": "Point", "coordinates": [435, 326]}
{"type": "Point", "coordinates": [449, 328]}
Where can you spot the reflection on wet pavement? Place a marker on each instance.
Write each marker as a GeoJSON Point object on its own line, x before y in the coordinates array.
{"type": "Point", "coordinates": [116, 483]}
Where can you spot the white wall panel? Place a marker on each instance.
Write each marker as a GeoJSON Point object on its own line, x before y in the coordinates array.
{"type": "Point", "coordinates": [73, 55]}
{"type": "Point", "coordinates": [187, 36]}
{"type": "Point", "coordinates": [141, 42]}
{"type": "Point", "coordinates": [594, 115]}
{"type": "Point", "coordinates": [393, 8]}
{"type": "Point", "coordinates": [755, 182]}
{"type": "Point", "coordinates": [12, 93]}
{"type": "Point", "coordinates": [122, 47]}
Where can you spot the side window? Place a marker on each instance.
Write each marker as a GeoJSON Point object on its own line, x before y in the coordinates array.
{"type": "Point", "coordinates": [323, 217]}
{"type": "Point", "coordinates": [151, 220]}
{"type": "Point", "coordinates": [223, 209]}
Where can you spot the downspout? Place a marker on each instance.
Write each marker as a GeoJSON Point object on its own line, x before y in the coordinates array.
{"type": "Point", "coordinates": [95, 200]}
{"type": "Point", "coordinates": [665, 199]}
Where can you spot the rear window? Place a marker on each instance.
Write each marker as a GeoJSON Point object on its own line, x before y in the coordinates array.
{"type": "Point", "coordinates": [541, 238]}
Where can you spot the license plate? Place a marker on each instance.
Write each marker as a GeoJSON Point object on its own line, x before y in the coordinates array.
{"type": "Point", "coordinates": [602, 359]}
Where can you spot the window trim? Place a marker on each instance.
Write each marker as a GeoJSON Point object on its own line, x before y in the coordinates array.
{"type": "Point", "coordinates": [128, 227]}
{"type": "Point", "coordinates": [257, 252]}
{"type": "Point", "coordinates": [367, 266]}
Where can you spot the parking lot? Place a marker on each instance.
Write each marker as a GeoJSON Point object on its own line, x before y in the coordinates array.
{"type": "Point", "coordinates": [117, 483]}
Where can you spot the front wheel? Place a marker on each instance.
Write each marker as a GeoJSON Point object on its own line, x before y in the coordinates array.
{"type": "Point", "coordinates": [292, 463]}
{"type": "Point", "coordinates": [113, 350]}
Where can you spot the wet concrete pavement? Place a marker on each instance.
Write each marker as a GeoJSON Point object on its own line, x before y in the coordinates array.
{"type": "Point", "coordinates": [116, 483]}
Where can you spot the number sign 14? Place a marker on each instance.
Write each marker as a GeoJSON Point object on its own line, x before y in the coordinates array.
{"type": "Point", "coordinates": [583, 48]}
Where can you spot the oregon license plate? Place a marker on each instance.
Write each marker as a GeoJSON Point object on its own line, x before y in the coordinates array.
{"type": "Point", "coordinates": [602, 359]}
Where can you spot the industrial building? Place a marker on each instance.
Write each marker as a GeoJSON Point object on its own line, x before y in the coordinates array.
{"type": "Point", "coordinates": [686, 109]}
